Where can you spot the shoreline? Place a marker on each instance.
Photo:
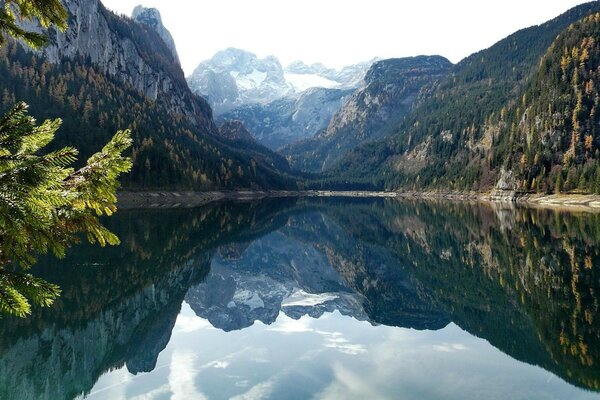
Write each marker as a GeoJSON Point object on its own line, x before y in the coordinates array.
{"type": "Point", "coordinates": [183, 199]}
{"type": "Point", "coordinates": [190, 199]}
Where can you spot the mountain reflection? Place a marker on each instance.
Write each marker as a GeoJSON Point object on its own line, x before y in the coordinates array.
{"type": "Point", "coordinates": [525, 280]}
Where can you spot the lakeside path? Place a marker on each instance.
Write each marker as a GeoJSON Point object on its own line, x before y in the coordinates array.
{"type": "Point", "coordinates": [183, 199]}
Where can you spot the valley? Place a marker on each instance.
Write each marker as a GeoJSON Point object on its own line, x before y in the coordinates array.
{"type": "Point", "coordinates": [241, 122]}
{"type": "Point", "coordinates": [324, 200]}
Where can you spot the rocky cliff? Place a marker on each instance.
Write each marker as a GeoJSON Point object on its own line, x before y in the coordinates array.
{"type": "Point", "coordinates": [289, 120]}
{"type": "Point", "coordinates": [392, 88]}
{"type": "Point", "coordinates": [134, 54]}
{"type": "Point", "coordinates": [152, 18]}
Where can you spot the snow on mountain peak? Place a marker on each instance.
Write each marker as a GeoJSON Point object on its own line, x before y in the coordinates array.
{"type": "Point", "coordinates": [235, 77]}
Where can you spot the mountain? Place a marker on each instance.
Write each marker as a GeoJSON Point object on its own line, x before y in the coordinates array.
{"type": "Point", "coordinates": [470, 133]}
{"type": "Point", "coordinates": [236, 131]}
{"type": "Point", "coordinates": [288, 120]}
{"type": "Point", "coordinates": [152, 18]}
{"type": "Point", "coordinates": [237, 292]}
{"type": "Point", "coordinates": [130, 53]}
{"type": "Point", "coordinates": [236, 78]}
{"type": "Point", "coordinates": [302, 76]}
{"type": "Point", "coordinates": [552, 137]}
{"type": "Point", "coordinates": [391, 91]}
{"type": "Point", "coordinates": [130, 321]}
{"type": "Point", "coordinates": [108, 72]}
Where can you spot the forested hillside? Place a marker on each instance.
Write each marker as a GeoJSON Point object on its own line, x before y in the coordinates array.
{"type": "Point", "coordinates": [392, 89]}
{"type": "Point", "coordinates": [552, 136]}
{"type": "Point", "coordinates": [168, 150]}
{"type": "Point", "coordinates": [457, 138]}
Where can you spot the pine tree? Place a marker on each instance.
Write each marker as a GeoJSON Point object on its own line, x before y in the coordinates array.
{"type": "Point", "coordinates": [558, 187]}
{"type": "Point", "coordinates": [47, 12]}
{"type": "Point", "coordinates": [44, 203]}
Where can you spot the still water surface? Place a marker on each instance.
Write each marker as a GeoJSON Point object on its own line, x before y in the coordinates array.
{"type": "Point", "coordinates": [319, 298]}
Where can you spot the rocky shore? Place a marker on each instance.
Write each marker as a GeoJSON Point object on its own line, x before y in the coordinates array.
{"type": "Point", "coordinates": [566, 201]}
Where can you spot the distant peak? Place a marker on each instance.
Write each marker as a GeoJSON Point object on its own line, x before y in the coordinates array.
{"type": "Point", "coordinates": [151, 17]}
{"type": "Point", "coordinates": [146, 13]}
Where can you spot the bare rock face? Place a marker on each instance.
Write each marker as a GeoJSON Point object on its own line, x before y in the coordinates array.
{"type": "Point", "coordinates": [289, 120]}
{"type": "Point", "coordinates": [132, 53]}
{"type": "Point", "coordinates": [392, 88]}
{"type": "Point", "coordinates": [152, 18]}
{"type": "Point", "coordinates": [506, 181]}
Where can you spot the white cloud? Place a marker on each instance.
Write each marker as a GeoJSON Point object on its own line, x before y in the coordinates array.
{"type": "Point", "coordinates": [286, 324]}
{"type": "Point", "coordinates": [181, 377]}
{"type": "Point", "coordinates": [350, 385]}
{"type": "Point", "coordinates": [259, 391]}
{"type": "Point", "coordinates": [449, 347]}
{"type": "Point", "coordinates": [158, 393]}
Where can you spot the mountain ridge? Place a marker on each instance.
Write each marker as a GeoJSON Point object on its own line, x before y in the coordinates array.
{"type": "Point", "coordinates": [288, 120]}
{"type": "Point", "coordinates": [106, 73]}
{"type": "Point", "coordinates": [235, 78]}
{"type": "Point", "coordinates": [152, 18]}
{"type": "Point", "coordinates": [446, 142]}
{"type": "Point", "coordinates": [392, 89]}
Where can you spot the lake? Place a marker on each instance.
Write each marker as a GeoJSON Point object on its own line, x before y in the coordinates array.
{"type": "Point", "coordinates": [319, 298]}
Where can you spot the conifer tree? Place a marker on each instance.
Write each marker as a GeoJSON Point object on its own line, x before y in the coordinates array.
{"type": "Point", "coordinates": [44, 203]}
{"type": "Point", "coordinates": [47, 12]}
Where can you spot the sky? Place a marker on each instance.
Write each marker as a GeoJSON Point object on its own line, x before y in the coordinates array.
{"type": "Point", "coordinates": [342, 32]}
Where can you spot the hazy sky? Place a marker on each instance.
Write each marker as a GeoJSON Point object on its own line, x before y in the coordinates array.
{"type": "Point", "coordinates": [341, 32]}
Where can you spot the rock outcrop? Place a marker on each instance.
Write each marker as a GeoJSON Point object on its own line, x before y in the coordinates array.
{"type": "Point", "coordinates": [132, 53]}
{"type": "Point", "coordinates": [391, 90]}
{"type": "Point", "coordinates": [152, 18]}
{"type": "Point", "coordinates": [289, 120]}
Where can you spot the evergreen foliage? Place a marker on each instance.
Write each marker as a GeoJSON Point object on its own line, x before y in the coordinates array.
{"type": "Point", "coordinates": [45, 204]}
{"type": "Point", "coordinates": [47, 12]}
{"type": "Point", "coordinates": [465, 131]}
{"type": "Point", "coordinates": [552, 136]}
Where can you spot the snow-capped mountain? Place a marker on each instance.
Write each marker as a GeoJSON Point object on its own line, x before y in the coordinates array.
{"type": "Point", "coordinates": [273, 274]}
{"type": "Point", "coordinates": [234, 78]}
{"type": "Point", "coordinates": [302, 76]}
{"type": "Point", "coordinates": [291, 119]}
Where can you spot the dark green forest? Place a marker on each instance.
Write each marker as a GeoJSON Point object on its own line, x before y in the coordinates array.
{"type": "Point", "coordinates": [168, 151]}
{"type": "Point", "coordinates": [465, 133]}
